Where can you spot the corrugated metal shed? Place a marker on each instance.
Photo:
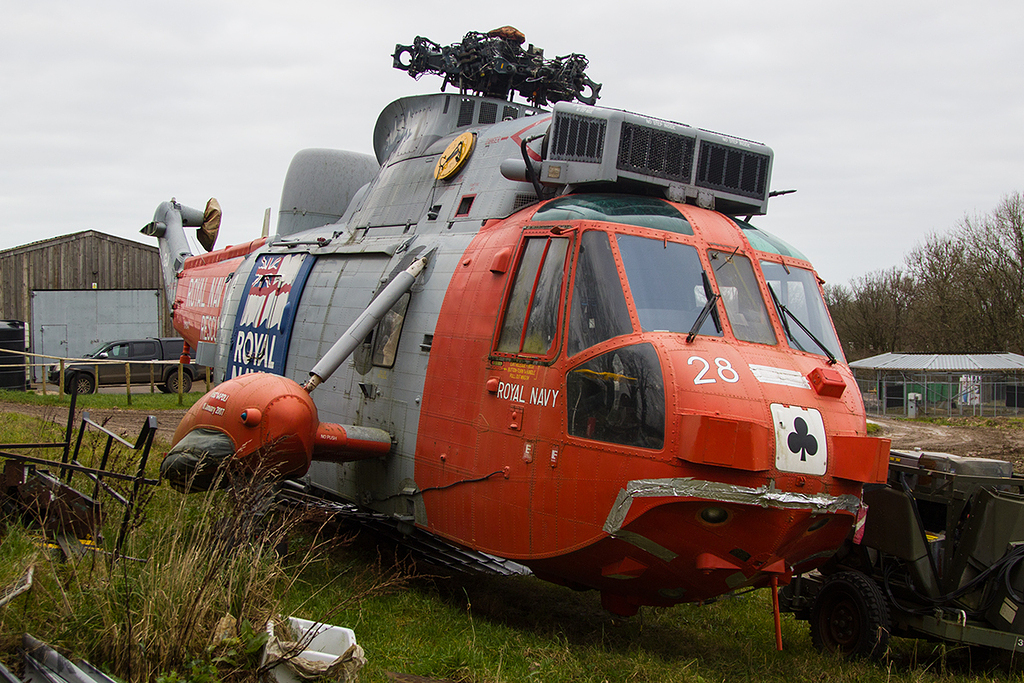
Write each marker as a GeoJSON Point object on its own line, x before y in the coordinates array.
{"type": "Point", "coordinates": [90, 267]}
{"type": "Point", "coordinates": [84, 260]}
{"type": "Point", "coordinates": [935, 362]}
{"type": "Point", "coordinates": [916, 384]}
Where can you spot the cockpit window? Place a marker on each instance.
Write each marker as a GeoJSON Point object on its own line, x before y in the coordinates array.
{"type": "Point", "coordinates": [763, 241]}
{"type": "Point", "coordinates": [389, 329]}
{"type": "Point", "coordinates": [797, 291]}
{"type": "Point", "coordinates": [618, 397]}
{"type": "Point", "coordinates": [531, 319]}
{"type": "Point", "coordinates": [744, 305]}
{"type": "Point", "coordinates": [668, 284]}
{"type": "Point", "coordinates": [643, 212]}
{"type": "Point", "coordinates": [598, 304]}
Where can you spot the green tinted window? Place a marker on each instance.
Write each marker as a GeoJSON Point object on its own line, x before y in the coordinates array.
{"type": "Point", "coordinates": [763, 241]}
{"type": "Point", "coordinates": [644, 212]}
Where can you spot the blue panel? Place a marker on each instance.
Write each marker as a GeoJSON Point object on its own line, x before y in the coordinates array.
{"type": "Point", "coordinates": [263, 324]}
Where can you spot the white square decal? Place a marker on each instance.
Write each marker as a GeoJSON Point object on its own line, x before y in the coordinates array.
{"type": "Point", "coordinates": [800, 444]}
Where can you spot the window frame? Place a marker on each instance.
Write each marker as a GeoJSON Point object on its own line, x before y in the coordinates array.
{"type": "Point", "coordinates": [549, 233]}
{"type": "Point", "coordinates": [609, 233]}
{"type": "Point", "coordinates": [815, 281]}
{"type": "Point", "coordinates": [759, 294]}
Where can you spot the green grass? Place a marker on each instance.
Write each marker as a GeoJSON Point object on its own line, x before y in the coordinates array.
{"type": "Point", "coordinates": [1009, 423]}
{"type": "Point", "coordinates": [140, 402]}
{"type": "Point", "coordinates": [206, 559]}
{"type": "Point", "coordinates": [476, 628]}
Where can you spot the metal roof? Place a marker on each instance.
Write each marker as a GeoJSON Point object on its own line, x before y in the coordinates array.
{"type": "Point", "coordinates": [936, 362]}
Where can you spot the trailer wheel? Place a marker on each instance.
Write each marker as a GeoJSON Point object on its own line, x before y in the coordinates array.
{"type": "Point", "coordinates": [850, 617]}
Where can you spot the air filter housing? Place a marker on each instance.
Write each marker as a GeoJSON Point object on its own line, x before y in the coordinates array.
{"type": "Point", "coordinates": [597, 145]}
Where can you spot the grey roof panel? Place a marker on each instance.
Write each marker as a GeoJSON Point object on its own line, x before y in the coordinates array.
{"type": "Point", "coordinates": [933, 362]}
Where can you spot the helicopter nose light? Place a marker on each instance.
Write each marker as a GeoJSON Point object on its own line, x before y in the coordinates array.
{"type": "Point", "coordinates": [714, 515]}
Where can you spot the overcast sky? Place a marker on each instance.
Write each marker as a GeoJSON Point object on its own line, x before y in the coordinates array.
{"type": "Point", "coordinates": [892, 119]}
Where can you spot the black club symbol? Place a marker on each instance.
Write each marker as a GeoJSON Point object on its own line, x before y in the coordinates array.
{"type": "Point", "coordinates": [800, 441]}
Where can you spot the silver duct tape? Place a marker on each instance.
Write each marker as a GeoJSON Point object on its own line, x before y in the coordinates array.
{"type": "Point", "coordinates": [765, 496]}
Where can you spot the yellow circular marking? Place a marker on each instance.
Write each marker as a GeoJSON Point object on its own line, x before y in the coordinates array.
{"type": "Point", "coordinates": [455, 156]}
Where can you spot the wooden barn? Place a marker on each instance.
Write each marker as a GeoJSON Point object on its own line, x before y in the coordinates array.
{"type": "Point", "coordinates": [80, 290]}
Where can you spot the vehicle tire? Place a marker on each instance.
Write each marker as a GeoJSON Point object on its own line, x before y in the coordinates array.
{"type": "Point", "coordinates": [86, 382]}
{"type": "Point", "coordinates": [850, 617]}
{"type": "Point", "coordinates": [172, 382]}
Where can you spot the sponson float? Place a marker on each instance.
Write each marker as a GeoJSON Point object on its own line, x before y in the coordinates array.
{"type": "Point", "coordinates": [548, 331]}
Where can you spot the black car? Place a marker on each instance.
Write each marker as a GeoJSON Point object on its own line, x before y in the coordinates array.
{"type": "Point", "coordinates": [134, 359]}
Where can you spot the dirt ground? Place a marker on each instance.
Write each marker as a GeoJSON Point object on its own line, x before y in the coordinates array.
{"type": "Point", "coordinates": [125, 423]}
{"type": "Point", "coordinates": [1001, 438]}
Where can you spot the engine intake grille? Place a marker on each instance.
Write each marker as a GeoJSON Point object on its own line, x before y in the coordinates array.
{"type": "Point", "coordinates": [488, 112]}
{"type": "Point", "coordinates": [655, 152]}
{"type": "Point", "coordinates": [596, 146]}
{"type": "Point", "coordinates": [733, 170]}
{"type": "Point", "coordinates": [578, 138]}
{"type": "Point", "coordinates": [466, 112]}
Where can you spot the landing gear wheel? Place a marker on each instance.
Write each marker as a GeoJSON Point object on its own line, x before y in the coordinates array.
{"type": "Point", "coordinates": [172, 383]}
{"type": "Point", "coordinates": [850, 617]}
{"type": "Point", "coordinates": [86, 384]}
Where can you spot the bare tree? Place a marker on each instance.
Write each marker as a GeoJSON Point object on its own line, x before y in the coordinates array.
{"type": "Point", "coordinates": [958, 292]}
{"type": "Point", "coordinates": [871, 314]}
{"type": "Point", "coordinates": [969, 285]}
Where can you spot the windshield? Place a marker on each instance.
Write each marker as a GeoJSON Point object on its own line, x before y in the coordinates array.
{"type": "Point", "coordinates": [668, 284]}
{"type": "Point", "coordinates": [598, 304]}
{"type": "Point", "coordinates": [797, 290]}
{"type": "Point", "coordinates": [97, 351]}
{"type": "Point", "coordinates": [744, 306]}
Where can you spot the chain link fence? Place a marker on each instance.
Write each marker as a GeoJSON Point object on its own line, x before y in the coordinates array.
{"type": "Point", "coordinates": [941, 394]}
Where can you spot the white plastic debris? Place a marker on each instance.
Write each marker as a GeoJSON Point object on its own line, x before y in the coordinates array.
{"type": "Point", "coordinates": [300, 650]}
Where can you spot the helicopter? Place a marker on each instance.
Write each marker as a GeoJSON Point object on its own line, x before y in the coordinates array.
{"type": "Point", "coordinates": [547, 331]}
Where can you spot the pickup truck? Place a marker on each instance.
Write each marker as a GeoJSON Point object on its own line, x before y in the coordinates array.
{"type": "Point", "coordinates": [137, 355]}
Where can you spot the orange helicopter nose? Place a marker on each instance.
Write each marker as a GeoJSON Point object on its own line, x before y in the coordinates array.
{"type": "Point", "coordinates": [259, 421]}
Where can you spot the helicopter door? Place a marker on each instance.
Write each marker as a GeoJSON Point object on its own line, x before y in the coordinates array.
{"type": "Point", "coordinates": [525, 407]}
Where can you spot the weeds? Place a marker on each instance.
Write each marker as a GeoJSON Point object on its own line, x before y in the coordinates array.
{"type": "Point", "coordinates": [200, 557]}
{"type": "Point", "coordinates": [232, 552]}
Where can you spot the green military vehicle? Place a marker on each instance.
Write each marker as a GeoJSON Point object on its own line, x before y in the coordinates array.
{"type": "Point", "coordinates": [938, 556]}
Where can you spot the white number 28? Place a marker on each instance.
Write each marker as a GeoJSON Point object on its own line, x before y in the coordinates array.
{"type": "Point", "coordinates": [725, 371]}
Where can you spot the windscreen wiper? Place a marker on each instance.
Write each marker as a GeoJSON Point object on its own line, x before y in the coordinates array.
{"type": "Point", "coordinates": [784, 313]}
{"type": "Point", "coordinates": [708, 293]}
{"type": "Point", "coordinates": [708, 308]}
